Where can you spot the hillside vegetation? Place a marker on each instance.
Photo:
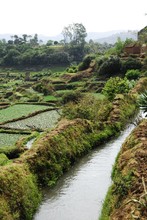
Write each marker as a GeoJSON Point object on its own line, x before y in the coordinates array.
{"type": "Point", "coordinates": [67, 110]}
{"type": "Point", "coordinates": [127, 197]}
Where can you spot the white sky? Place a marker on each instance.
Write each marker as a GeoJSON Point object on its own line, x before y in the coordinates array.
{"type": "Point", "coordinates": [49, 17]}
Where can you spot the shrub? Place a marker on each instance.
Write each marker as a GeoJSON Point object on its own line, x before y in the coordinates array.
{"type": "Point", "coordinates": [143, 101]}
{"type": "Point", "coordinates": [130, 64]}
{"type": "Point", "coordinates": [72, 69]}
{"type": "Point", "coordinates": [110, 67]}
{"type": "Point", "coordinates": [115, 85]}
{"type": "Point", "coordinates": [132, 74]}
{"type": "Point", "coordinates": [144, 73]}
{"type": "Point", "coordinates": [73, 96]}
{"type": "Point", "coordinates": [88, 107]}
{"type": "Point", "coordinates": [59, 57]}
{"type": "Point", "coordinates": [86, 62]}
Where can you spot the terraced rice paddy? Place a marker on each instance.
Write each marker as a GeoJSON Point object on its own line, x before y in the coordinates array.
{"type": "Point", "coordinates": [42, 121]}
{"type": "Point", "coordinates": [9, 139]}
{"type": "Point", "coordinates": [17, 111]}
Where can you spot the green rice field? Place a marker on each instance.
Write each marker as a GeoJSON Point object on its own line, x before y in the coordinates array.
{"type": "Point", "coordinates": [17, 111]}
{"type": "Point", "coordinates": [50, 98]}
{"type": "Point", "coordinates": [9, 139]}
{"type": "Point", "coordinates": [42, 121]}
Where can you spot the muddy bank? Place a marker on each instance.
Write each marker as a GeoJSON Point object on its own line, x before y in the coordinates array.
{"type": "Point", "coordinates": [127, 198]}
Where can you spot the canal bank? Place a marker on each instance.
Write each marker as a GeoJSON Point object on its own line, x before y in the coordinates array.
{"type": "Point", "coordinates": [80, 192]}
{"type": "Point", "coordinates": [52, 155]}
{"type": "Point", "coordinates": [127, 196]}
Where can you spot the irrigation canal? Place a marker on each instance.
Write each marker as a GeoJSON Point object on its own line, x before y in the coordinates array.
{"type": "Point", "coordinates": [79, 193]}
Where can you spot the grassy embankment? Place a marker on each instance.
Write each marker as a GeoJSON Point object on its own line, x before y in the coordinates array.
{"type": "Point", "coordinates": [127, 196]}
{"type": "Point", "coordinates": [51, 155]}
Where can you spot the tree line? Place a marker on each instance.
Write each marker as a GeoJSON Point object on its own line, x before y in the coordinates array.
{"type": "Point", "coordinates": [28, 50]}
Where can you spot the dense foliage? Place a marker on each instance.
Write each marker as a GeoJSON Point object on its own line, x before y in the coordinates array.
{"type": "Point", "coordinates": [143, 101]}
{"type": "Point", "coordinates": [19, 185]}
{"type": "Point", "coordinates": [28, 50]}
{"type": "Point", "coordinates": [110, 67]}
{"type": "Point", "coordinates": [132, 74]}
{"type": "Point", "coordinates": [131, 63]}
{"type": "Point", "coordinates": [94, 116]}
{"type": "Point", "coordinates": [115, 85]}
{"type": "Point", "coordinates": [88, 107]}
{"type": "Point", "coordinates": [86, 61]}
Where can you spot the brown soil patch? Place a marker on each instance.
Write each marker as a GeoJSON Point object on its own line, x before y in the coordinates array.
{"type": "Point", "coordinates": [133, 157]}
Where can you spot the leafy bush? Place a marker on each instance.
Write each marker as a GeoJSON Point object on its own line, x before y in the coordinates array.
{"type": "Point", "coordinates": [44, 88]}
{"type": "Point", "coordinates": [143, 101]}
{"type": "Point", "coordinates": [73, 96]}
{"type": "Point", "coordinates": [144, 73]}
{"type": "Point", "coordinates": [110, 67]}
{"type": "Point", "coordinates": [132, 74]}
{"type": "Point", "coordinates": [58, 57]}
{"type": "Point", "coordinates": [130, 64]}
{"type": "Point", "coordinates": [72, 69]}
{"type": "Point", "coordinates": [88, 107]}
{"type": "Point", "coordinates": [115, 85]}
{"type": "Point", "coordinates": [86, 62]}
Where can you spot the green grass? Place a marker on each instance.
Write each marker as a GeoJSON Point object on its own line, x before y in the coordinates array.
{"type": "Point", "coordinates": [99, 96]}
{"type": "Point", "coordinates": [20, 195]}
{"type": "Point", "coordinates": [12, 83]}
{"type": "Point", "coordinates": [62, 92]}
{"type": "Point", "coordinates": [55, 69]}
{"type": "Point", "coordinates": [107, 206]}
{"type": "Point", "coordinates": [49, 98]}
{"type": "Point", "coordinates": [3, 159]}
{"type": "Point", "coordinates": [17, 111]}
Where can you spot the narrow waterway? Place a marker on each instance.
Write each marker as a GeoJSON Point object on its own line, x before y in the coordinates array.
{"type": "Point", "coordinates": [79, 194]}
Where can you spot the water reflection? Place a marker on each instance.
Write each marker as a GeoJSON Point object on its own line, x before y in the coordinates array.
{"type": "Point", "coordinates": [79, 194]}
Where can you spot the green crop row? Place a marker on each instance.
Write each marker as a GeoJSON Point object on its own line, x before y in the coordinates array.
{"type": "Point", "coordinates": [40, 122]}
{"type": "Point", "coordinates": [17, 111]}
{"type": "Point", "coordinates": [9, 139]}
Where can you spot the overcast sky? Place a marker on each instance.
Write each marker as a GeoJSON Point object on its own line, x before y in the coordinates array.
{"type": "Point", "coordinates": [49, 17]}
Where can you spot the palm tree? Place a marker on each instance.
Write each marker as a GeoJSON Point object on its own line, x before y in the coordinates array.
{"type": "Point", "coordinates": [25, 36]}
{"type": "Point", "coordinates": [143, 102]}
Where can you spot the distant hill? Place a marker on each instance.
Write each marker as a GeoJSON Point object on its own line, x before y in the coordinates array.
{"type": "Point", "coordinates": [100, 37]}
{"type": "Point", "coordinates": [112, 39]}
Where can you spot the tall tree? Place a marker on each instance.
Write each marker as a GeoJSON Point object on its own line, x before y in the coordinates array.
{"type": "Point", "coordinates": [74, 38]}
{"type": "Point", "coordinates": [74, 33]}
{"type": "Point", "coordinates": [25, 36]}
{"type": "Point", "coordinates": [34, 40]}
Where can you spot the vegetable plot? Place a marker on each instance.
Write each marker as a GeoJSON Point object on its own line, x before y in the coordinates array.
{"type": "Point", "coordinates": [9, 139]}
{"type": "Point", "coordinates": [41, 121]}
{"type": "Point", "coordinates": [17, 111]}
